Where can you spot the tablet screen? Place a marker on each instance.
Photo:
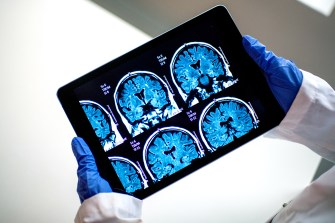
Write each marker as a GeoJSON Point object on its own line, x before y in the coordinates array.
{"type": "Point", "coordinates": [171, 106]}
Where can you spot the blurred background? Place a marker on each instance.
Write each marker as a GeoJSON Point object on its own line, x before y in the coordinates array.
{"type": "Point", "coordinates": [46, 44]}
{"type": "Point", "coordinates": [288, 27]}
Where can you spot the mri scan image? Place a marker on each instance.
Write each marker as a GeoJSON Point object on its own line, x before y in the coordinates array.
{"type": "Point", "coordinates": [143, 100]}
{"type": "Point", "coordinates": [129, 174]}
{"type": "Point", "coordinates": [169, 150]}
{"type": "Point", "coordinates": [198, 71]}
{"type": "Point", "coordinates": [225, 120]}
{"type": "Point", "coordinates": [102, 124]}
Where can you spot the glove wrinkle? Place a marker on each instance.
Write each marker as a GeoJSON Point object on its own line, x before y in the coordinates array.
{"type": "Point", "coordinates": [89, 181]}
{"type": "Point", "coordinates": [283, 76]}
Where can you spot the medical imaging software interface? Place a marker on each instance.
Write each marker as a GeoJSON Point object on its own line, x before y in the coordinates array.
{"type": "Point", "coordinates": [168, 107]}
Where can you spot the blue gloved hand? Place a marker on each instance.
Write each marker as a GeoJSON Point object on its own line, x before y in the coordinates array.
{"type": "Point", "coordinates": [89, 181]}
{"type": "Point", "coordinates": [283, 76]}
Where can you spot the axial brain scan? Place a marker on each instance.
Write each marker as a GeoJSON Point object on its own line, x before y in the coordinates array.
{"type": "Point", "coordinates": [224, 120]}
{"type": "Point", "coordinates": [169, 150]}
{"type": "Point", "coordinates": [144, 100]}
{"type": "Point", "coordinates": [128, 173]}
{"type": "Point", "coordinates": [101, 123]}
{"type": "Point", "coordinates": [199, 70]}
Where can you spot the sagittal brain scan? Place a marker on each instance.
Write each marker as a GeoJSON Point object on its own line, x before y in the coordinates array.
{"type": "Point", "coordinates": [224, 120]}
{"type": "Point", "coordinates": [199, 70]}
{"type": "Point", "coordinates": [102, 124]}
{"type": "Point", "coordinates": [129, 174]}
{"type": "Point", "coordinates": [143, 100]}
{"type": "Point", "coordinates": [169, 150]}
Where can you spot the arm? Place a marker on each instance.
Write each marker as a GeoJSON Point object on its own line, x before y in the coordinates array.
{"type": "Point", "coordinates": [99, 203]}
{"type": "Point", "coordinates": [310, 120]}
{"type": "Point", "coordinates": [307, 99]}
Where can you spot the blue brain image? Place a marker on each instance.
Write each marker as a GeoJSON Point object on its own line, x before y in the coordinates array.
{"type": "Point", "coordinates": [143, 99]}
{"type": "Point", "coordinates": [199, 70]}
{"type": "Point", "coordinates": [170, 150]}
{"type": "Point", "coordinates": [100, 122]}
{"type": "Point", "coordinates": [128, 175]}
{"type": "Point", "coordinates": [225, 120]}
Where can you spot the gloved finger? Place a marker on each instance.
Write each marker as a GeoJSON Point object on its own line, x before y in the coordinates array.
{"type": "Point", "coordinates": [257, 51]}
{"type": "Point", "coordinates": [268, 61]}
{"type": "Point", "coordinates": [81, 151]}
{"type": "Point", "coordinates": [89, 180]}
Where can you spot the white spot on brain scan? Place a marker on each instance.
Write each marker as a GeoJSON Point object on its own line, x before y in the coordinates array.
{"type": "Point", "coordinates": [199, 70]}
{"type": "Point", "coordinates": [169, 150]}
{"type": "Point", "coordinates": [224, 120]}
{"type": "Point", "coordinates": [143, 100]}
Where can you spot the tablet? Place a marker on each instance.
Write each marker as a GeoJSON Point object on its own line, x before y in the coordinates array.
{"type": "Point", "coordinates": [172, 105]}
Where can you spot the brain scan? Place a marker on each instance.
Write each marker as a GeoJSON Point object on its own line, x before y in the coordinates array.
{"type": "Point", "coordinates": [129, 174]}
{"type": "Point", "coordinates": [224, 120]}
{"type": "Point", "coordinates": [102, 124]}
{"type": "Point", "coordinates": [143, 100]}
{"type": "Point", "coordinates": [169, 150]}
{"type": "Point", "coordinates": [199, 70]}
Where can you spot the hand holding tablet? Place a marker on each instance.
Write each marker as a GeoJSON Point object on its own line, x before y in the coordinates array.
{"type": "Point", "coordinates": [283, 76]}
{"type": "Point", "coordinates": [172, 105]}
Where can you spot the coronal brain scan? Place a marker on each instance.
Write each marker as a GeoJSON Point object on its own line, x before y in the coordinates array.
{"type": "Point", "coordinates": [169, 150]}
{"type": "Point", "coordinates": [102, 124]}
{"type": "Point", "coordinates": [172, 105]}
{"type": "Point", "coordinates": [129, 174]}
{"type": "Point", "coordinates": [224, 120]}
{"type": "Point", "coordinates": [199, 70]}
{"type": "Point", "coordinates": [143, 100]}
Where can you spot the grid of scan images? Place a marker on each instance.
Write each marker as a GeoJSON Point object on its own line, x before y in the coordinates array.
{"type": "Point", "coordinates": [152, 125]}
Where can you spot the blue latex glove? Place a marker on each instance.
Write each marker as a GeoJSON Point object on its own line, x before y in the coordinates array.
{"type": "Point", "coordinates": [283, 76]}
{"type": "Point", "coordinates": [89, 181]}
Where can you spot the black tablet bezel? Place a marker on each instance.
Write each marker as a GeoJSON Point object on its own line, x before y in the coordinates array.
{"type": "Point", "coordinates": [220, 19]}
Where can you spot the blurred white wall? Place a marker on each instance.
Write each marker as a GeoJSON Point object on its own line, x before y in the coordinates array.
{"type": "Point", "coordinates": [44, 45]}
{"type": "Point", "coordinates": [288, 27]}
